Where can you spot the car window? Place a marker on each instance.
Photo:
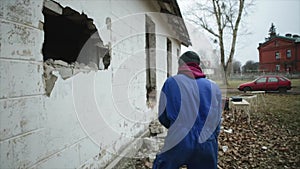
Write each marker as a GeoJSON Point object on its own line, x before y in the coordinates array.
{"type": "Point", "coordinates": [261, 80]}
{"type": "Point", "coordinates": [272, 79]}
{"type": "Point", "coordinates": [282, 79]}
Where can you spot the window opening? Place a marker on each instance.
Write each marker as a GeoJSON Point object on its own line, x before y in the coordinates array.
{"type": "Point", "coordinates": [289, 53]}
{"type": "Point", "coordinates": [169, 57]}
{"type": "Point", "coordinates": [277, 55]}
{"type": "Point", "coordinates": [261, 80]}
{"type": "Point", "coordinates": [282, 79]}
{"type": "Point", "coordinates": [272, 79]}
{"type": "Point", "coordinates": [178, 53]}
{"type": "Point", "coordinates": [150, 62]}
{"type": "Point", "coordinates": [277, 67]}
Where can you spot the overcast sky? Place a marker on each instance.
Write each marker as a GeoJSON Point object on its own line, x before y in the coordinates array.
{"type": "Point", "coordinates": [285, 14]}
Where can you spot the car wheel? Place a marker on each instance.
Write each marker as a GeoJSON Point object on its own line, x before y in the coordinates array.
{"type": "Point", "coordinates": [247, 89]}
{"type": "Point", "coordinates": [282, 90]}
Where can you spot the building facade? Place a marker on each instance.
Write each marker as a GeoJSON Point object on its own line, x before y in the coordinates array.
{"type": "Point", "coordinates": [79, 79]}
{"type": "Point", "coordinates": [280, 54]}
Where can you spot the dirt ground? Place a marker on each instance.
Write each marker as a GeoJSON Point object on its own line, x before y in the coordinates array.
{"type": "Point", "coordinates": [269, 140]}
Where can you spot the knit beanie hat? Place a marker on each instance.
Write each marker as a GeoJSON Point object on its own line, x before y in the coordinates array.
{"type": "Point", "coordinates": [189, 57]}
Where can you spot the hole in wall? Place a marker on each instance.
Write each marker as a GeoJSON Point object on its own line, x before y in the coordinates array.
{"type": "Point", "coordinates": [71, 44]}
{"type": "Point", "coordinates": [72, 37]}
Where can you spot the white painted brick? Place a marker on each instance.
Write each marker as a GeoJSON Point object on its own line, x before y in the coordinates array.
{"type": "Point", "coordinates": [26, 12]}
{"type": "Point", "coordinates": [87, 149]}
{"type": "Point", "coordinates": [85, 103]}
{"type": "Point", "coordinates": [120, 92]}
{"type": "Point", "coordinates": [20, 78]}
{"type": "Point", "coordinates": [19, 42]}
{"type": "Point", "coordinates": [23, 151]}
{"type": "Point", "coordinates": [28, 149]}
{"type": "Point", "coordinates": [98, 161]}
{"type": "Point", "coordinates": [6, 154]}
{"type": "Point", "coordinates": [123, 107]}
{"type": "Point", "coordinates": [1, 9]}
{"type": "Point", "coordinates": [67, 158]}
{"type": "Point", "coordinates": [62, 124]}
{"type": "Point", "coordinates": [108, 139]}
{"type": "Point", "coordinates": [121, 77]}
{"type": "Point", "coordinates": [20, 115]}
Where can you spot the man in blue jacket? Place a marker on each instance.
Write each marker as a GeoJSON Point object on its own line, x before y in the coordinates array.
{"type": "Point", "coordinates": [190, 108]}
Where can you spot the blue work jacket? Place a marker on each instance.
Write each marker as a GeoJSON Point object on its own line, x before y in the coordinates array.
{"type": "Point", "coordinates": [190, 109]}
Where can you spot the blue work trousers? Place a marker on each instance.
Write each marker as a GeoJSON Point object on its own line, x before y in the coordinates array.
{"type": "Point", "coordinates": [190, 153]}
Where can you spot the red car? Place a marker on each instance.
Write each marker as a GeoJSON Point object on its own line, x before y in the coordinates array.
{"type": "Point", "coordinates": [267, 83]}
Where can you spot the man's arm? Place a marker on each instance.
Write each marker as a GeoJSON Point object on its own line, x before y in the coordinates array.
{"type": "Point", "coordinates": [163, 119]}
{"type": "Point", "coordinates": [162, 114]}
{"type": "Point", "coordinates": [219, 97]}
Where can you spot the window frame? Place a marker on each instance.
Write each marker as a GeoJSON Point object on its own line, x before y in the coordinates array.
{"type": "Point", "coordinates": [277, 55]}
{"type": "Point", "coordinates": [282, 79]}
{"type": "Point", "coordinates": [277, 67]}
{"type": "Point", "coordinates": [258, 80]}
{"type": "Point", "coordinates": [273, 78]}
{"type": "Point", "coordinates": [288, 53]}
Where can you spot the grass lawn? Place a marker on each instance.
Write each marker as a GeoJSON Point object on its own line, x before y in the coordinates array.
{"type": "Point", "coordinates": [296, 83]}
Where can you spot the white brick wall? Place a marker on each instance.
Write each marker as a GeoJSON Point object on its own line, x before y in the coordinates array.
{"type": "Point", "coordinates": [88, 116]}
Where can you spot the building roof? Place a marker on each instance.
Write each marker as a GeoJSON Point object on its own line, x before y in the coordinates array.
{"type": "Point", "coordinates": [287, 37]}
{"type": "Point", "coordinates": [171, 8]}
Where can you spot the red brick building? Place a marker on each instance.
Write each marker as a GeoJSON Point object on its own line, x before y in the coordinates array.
{"type": "Point", "coordinates": [280, 54]}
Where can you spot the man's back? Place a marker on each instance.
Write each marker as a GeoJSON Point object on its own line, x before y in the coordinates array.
{"type": "Point", "coordinates": [188, 104]}
{"type": "Point", "coordinates": [190, 107]}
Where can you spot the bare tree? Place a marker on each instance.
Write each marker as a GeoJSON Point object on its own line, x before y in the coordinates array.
{"type": "Point", "coordinates": [236, 66]}
{"type": "Point", "coordinates": [250, 66]}
{"type": "Point", "coordinates": [221, 19]}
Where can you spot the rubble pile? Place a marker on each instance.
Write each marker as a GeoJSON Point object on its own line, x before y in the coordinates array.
{"type": "Point", "coordinates": [156, 128]}
{"type": "Point", "coordinates": [67, 70]}
{"type": "Point", "coordinates": [151, 145]}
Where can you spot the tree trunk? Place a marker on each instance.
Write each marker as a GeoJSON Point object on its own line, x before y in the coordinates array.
{"type": "Point", "coordinates": [227, 67]}
{"type": "Point", "coordinates": [226, 75]}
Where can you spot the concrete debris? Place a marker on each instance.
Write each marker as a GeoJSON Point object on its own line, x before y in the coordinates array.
{"type": "Point", "coordinates": [65, 70]}
{"type": "Point", "coordinates": [148, 164]}
{"type": "Point", "coordinates": [228, 131]}
{"type": "Point", "coordinates": [156, 128]}
{"type": "Point", "coordinates": [151, 144]}
{"type": "Point", "coordinates": [152, 157]}
{"type": "Point", "coordinates": [264, 147]}
{"type": "Point", "coordinates": [224, 148]}
{"type": "Point", "coordinates": [162, 135]}
{"type": "Point", "coordinates": [93, 66]}
{"type": "Point", "coordinates": [146, 155]}
{"type": "Point", "coordinates": [50, 80]}
{"type": "Point", "coordinates": [61, 63]}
